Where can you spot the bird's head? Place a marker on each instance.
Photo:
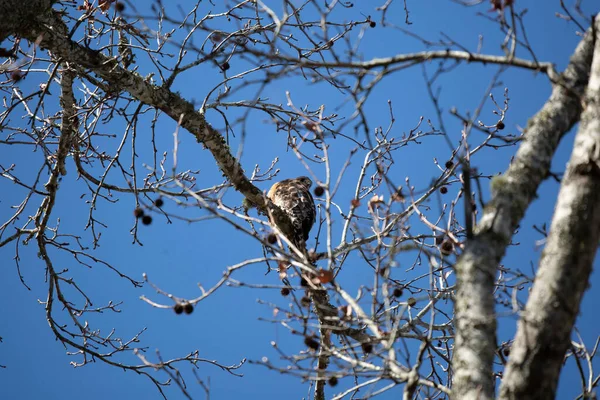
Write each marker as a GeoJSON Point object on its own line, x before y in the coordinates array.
{"type": "Point", "coordinates": [305, 181]}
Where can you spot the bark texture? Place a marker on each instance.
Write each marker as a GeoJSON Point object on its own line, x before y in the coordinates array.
{"type": "Point", "coordinates": [17, 15]}
{"type": "Point", "coordinates": [511, 195]}
{"type": "Point", "coordinates": [52, 34]}
{"type": "Point", "coordinates": [563, 280]}
{"type": "Point", "coordinates": [544, 330]}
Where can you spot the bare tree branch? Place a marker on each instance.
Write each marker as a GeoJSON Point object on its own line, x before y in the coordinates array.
{"type": "Point", "coordinates": [544, 329]}
{"type": "Point", "coordinates": [511, 195]}
{"type": "Point", "coordinates": [396, 289]}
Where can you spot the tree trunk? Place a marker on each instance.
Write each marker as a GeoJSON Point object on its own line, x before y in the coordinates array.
{"type": "Point", "coordinates": [544, 330]}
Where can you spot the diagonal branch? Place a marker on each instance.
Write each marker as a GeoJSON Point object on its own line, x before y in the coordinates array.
{"type": "Point", "coordinates": [511, 195]}
{"type": "Point", "coordinates": [543, 333]}
{"type": "Point", "coordinates": [54, 36]}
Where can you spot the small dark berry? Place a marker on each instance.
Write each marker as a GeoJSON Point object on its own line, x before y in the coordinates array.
{"type": "Point", "coordinates": [500, 125]}
{"type": "Point", "coordinates": [443, 190]}
{"type": "Point", "coordinates": [303, 282]}
{"type": "Point", "coordinates": [496, 5]}
{"type": "Point", "coordinates": [188, 308]}
{"type": "Point", "coordinates": [333, 381]}
{"type": "Point", "coordinates": [398, 292]}
{"type": "Point", "coordinates": [506, 351]}
{"type": "Point", "coordinates": [447, 247]}
{"type": "Point", "coordinates": [319, 191]}
{"type": "Point", "coordinates": [159, 202]}
{"type": "Point", "coordinates": [311, 343]}
{"type": "Point", "coordinates": [178, 308]}
{"type": "Point", "coordinates": [367, 348]}
{"type": "Point", "coordinates": [449, 164]}
{"type": "Point", "coordinates": [16, 76]}
{"type": "Point", "coordinates": [225, 66]}
{"type": "Point", "coordinates": [146, 220]}
{"type": "Point", "coordinates": [138, 212]}
{"type": "Point", "coordinates": [120, 6]}
{"type": "Point", "coordinates": [372, 24]}
{"type": "Point", "coordinates": [411, 301]}
{"type": "Point", "coordinates": [285, 291]}
{"type": "Point", "coordinates": [272, 238]}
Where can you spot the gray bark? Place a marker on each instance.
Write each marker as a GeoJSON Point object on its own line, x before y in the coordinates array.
{"type": "Point", "coordinates": [511, 195]}
{"type": "Point", "coordinates": [17, 15]}
{"type": "Point", "coordinates": [53, 33]}
{"type": "Point", "coordinates": [544, 329]}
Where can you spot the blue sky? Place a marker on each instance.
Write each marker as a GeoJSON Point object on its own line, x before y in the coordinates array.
{"type": "Point", "coordinates": [227, 327]}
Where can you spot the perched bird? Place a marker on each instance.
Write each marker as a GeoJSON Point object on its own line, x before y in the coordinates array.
{"type": "Point", "coordinates": [294, 198]}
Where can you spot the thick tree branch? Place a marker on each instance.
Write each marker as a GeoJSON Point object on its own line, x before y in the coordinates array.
{"type": "Point", "coordinates": [17, 15]}
{"type": "Point", "coordinates": [543, 334]}
{"type": "Point", "coordinates": [475, 343]}
{"type": "Point", "coordinates": [53, 32]}
{"type": "Point", "coordinates": [511, 195]}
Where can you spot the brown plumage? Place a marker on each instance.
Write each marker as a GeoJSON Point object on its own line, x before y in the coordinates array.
{"type": "Point", "coordinates": [294, 198]}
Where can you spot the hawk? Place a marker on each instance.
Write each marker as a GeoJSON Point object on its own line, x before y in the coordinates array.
{"type": "Point", "coordinates": [294, 198]}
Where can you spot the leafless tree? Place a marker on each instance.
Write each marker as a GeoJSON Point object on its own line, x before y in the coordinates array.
{"type": "Point", "coordinates": [425, 323]}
